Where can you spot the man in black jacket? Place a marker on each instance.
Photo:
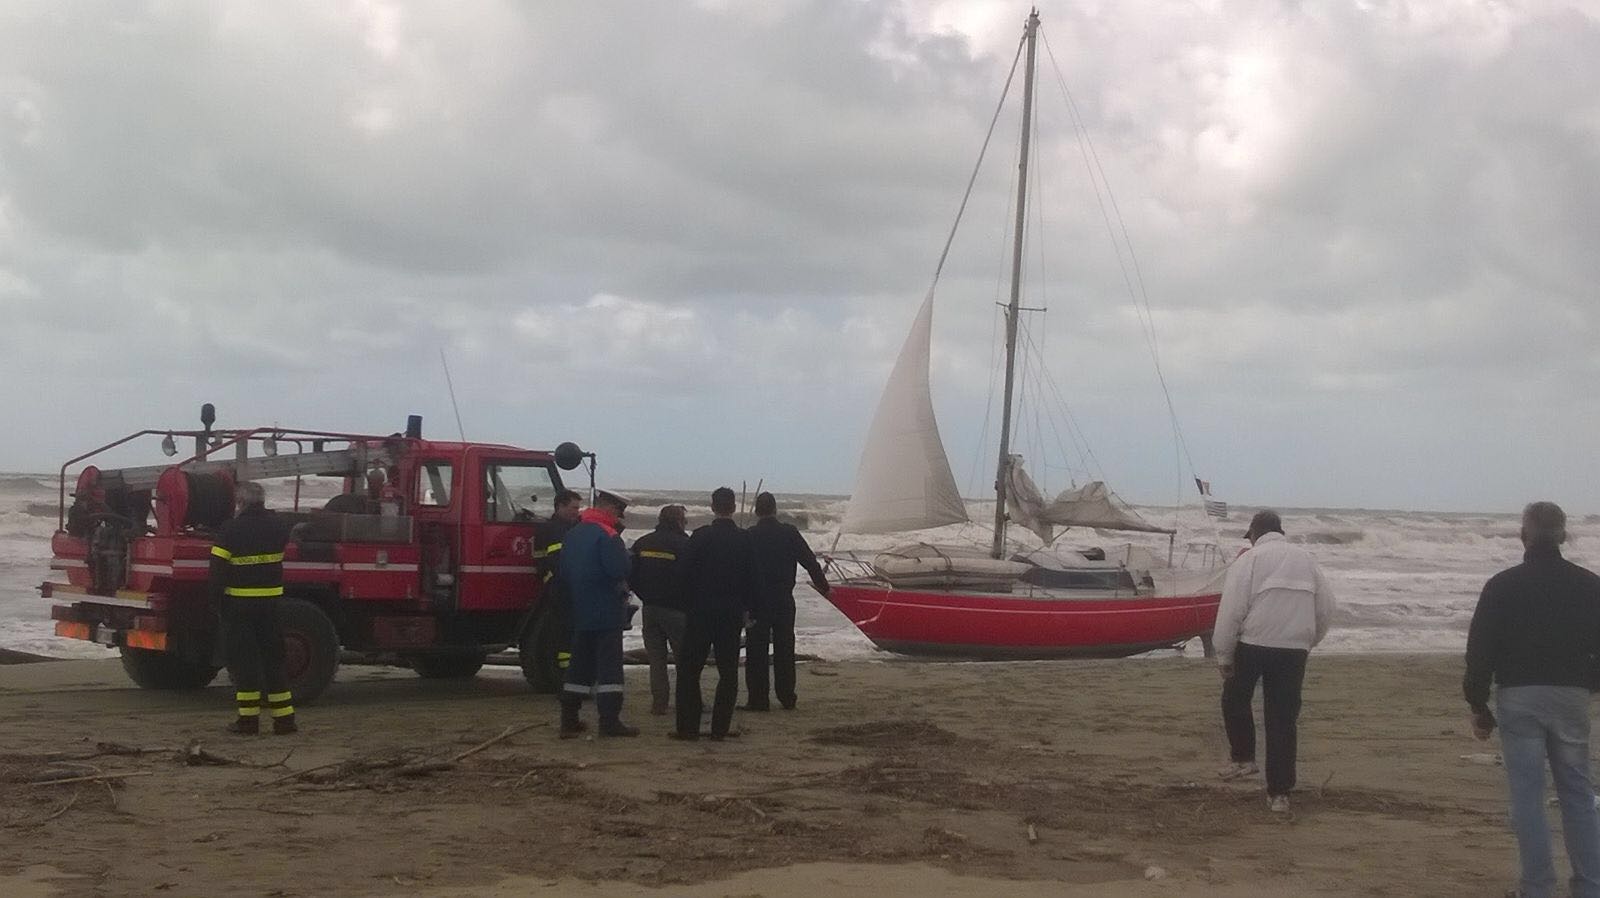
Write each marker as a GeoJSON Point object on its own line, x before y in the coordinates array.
{"type": "Point", "coordinates": [547, 537]}
{"type": "Point", "coordinates": [1536, 635]}
{"type": "Point", "coordinates": [247, 582]}
{"type": "Point", "coordinates": [779, 548]}
{"type": "Point", "coordinates": [654, 579]}
{"type": "Point", "coordinates": [719, 579]}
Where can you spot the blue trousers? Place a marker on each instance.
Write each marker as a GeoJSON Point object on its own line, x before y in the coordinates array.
{"type": "Point", "coordinates": [1542, 725]}
{"type": "Point", "coordinates": [595, 669]}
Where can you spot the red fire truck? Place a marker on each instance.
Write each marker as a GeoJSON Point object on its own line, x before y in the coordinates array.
{"type": "Point", "coordinates": [426, 557]}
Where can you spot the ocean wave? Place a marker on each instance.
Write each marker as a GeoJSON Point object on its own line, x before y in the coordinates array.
{"type": "Point", "coordinates": [23, 524]}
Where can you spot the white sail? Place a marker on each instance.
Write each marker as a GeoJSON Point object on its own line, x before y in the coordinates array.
{"type": "Point", "coordinates": [904, 481]}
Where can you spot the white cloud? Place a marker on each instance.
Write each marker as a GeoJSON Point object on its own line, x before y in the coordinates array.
{"type": "Point", "coordinates": [708, 223]}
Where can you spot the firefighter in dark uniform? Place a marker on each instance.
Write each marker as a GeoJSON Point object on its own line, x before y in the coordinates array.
{"type": "Point", "coordinates": [594, 570]}
{"type": "Point", "coordinates": [779, 548]}
{"type": "Point", "coordinates": [247, 581]}
{"type": "Point", "coordinates": [655, 581]}
{"type": "Point", "coordinates": [547, 543]}
{"type": "Point", "coordinates": [719, 578]}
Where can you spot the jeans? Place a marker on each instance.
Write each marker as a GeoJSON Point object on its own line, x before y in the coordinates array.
{"type": "Point", "coordinates": [1281, 672]}
{"type": "Point", "coordinates": [1540, 724]}
{"type": "Point", "coordinates": [663, 629]}
{"type": "Point", "coordinates": [777, 630]}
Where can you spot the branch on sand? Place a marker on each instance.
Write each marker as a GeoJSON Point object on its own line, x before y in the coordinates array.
{"type": "Point", "coordinates": [411, 763]}
{"type": "Point", "coordinates": [93, 778]}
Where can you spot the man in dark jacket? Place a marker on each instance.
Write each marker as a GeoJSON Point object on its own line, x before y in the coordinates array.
{"type": "Point", "coordinates": [247, 582]}
{"type": "Point", "coordinates": [655, 582]}
{"type": "Point", "coordinates": [547, 542]}
{"type": "Point", "coordinates": [594, 571]}
{"type": "Point", "coordinates": [1536, 635]}
{"type": "Point", "coordinates": [719, 577]}
{"type": "Point", "coordinates": [779, 548]}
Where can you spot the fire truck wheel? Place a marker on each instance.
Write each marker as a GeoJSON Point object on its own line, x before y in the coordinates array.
{"type": "Point", "coordinates": [162, 670]}
{"type": "Point", "coordinates": [542, 642]}
{"type": "Point", "coordinates": [447, 667]}
{"type": "Point", "coordinates": [311, 649]}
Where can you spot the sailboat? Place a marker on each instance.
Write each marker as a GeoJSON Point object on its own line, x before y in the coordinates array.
{"type": "Point", "coordinates": [995, 604]}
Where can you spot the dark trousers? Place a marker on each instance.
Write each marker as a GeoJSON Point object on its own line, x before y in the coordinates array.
{"type": "Point", "coordinates": [255, 654]}
{"type": "Point", "coordinates": [596, 668]}
{"type": "Point", "coordinates": [705, 630]}
{"type": "Point", "coordinates": [777, 629]}
{"type": "Point", "coordinates": [1281, 672]}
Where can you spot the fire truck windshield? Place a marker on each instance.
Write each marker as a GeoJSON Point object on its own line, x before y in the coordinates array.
{"type": "Point", "coordinates": [517, 491]}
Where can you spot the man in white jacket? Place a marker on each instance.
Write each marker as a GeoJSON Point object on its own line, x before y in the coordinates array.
{"type": "Point", "coordinates": [1276, 605]}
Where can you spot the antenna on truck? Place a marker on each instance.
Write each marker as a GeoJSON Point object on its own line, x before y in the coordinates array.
{"type": "Point", "coordinates": [452, 387]}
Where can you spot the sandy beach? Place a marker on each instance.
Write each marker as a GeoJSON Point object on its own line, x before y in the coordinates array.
{"type": "Point", "coordinates": [1087, 778]}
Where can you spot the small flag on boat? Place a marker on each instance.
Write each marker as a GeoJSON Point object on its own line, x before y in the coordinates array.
{"type": "Point", "coordinates": [1214, 507]}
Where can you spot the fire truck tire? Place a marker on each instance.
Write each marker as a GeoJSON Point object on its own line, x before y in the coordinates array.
{"type": "Point", "coordinates": [544, 640]}
{"type": "Point", "coordinates": [162, 670]}
{"type": "Point", "coordinates": [447, 667]}
{"type": "Point", "coordinates": [311, 648]}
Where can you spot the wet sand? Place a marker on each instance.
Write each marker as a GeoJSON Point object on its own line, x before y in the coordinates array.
{"type": "Point", "coordinates": [1061, 778]}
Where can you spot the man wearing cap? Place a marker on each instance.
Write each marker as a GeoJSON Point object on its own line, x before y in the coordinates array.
{"type": "Point", "coordinates": [1276, 606]}
{"type": "Point", "coordinates": [655, 582]}
{"type": "Point", "coordinates": [594, 570]}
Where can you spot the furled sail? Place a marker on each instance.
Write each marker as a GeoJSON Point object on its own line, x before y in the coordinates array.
{"type": "Point", "coordinates": [904, 481]}
{"type": "Point", "coordinates": [1091, 505]}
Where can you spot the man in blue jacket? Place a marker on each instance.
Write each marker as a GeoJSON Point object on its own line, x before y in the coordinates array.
{"type": "Point", "coordinates": [594, 569]}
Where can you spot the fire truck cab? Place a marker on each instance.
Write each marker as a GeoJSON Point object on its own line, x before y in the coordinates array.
{"type": "Point", "coordinates": [427, 556]}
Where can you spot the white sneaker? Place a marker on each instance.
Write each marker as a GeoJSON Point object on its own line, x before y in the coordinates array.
{"type": "Point", "coordinates": [1278, 804]}
{"type": "Point", "coordinates": [1238, 771]}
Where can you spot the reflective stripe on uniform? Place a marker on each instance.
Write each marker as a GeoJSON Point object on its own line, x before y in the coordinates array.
{"type": "Point", "coordinates": [664, 556]}
{"type": "Point", "coordinates": [563, 659]}
{"type": "Point", "coordinates": [276, 697]}
{"type": "Point", "coordinates": [578, 688]}
{"type": "Point", "coordinates": [552, 549]}
{"type": "Point", "coordinates": [254, 592]}
{"type": "Point", "coordinates": [247, 696]}
{"type": "Point", "coordinates": [269, 558]}
{"type": "Point", "coordinates": [249, 710]}
{"type": "Point", "coordinates": [222, 553]}
{"type": "Point", "coordinates": [285, 711]}
{"type": "Point", "coordinates": [605, 688]}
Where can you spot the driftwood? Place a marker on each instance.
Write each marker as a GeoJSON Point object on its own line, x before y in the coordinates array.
{"type": "Point", "coordinates": [94, 777]}
{"type": "Point", "coordinates": [407, 763]}
{"type": "Point", "coordinates": [507, 733]}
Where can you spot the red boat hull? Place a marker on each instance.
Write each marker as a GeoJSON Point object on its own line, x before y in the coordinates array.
{"type": "Point", "coordinates": [995, 627]}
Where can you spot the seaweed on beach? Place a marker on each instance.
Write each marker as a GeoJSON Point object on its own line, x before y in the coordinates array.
{"type": "Point", "coordinates": [885, 734]}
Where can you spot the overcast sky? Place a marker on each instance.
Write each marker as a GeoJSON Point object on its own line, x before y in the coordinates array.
{"type": "Point", "coordinates": [691, 235]}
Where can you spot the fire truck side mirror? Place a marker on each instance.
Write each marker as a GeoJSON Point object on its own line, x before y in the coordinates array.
{"type": "Point", "coordinates": [568, 456]}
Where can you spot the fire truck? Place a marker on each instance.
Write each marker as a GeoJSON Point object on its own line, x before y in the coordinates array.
{"type": "Point", "coordinates": [427, 557]}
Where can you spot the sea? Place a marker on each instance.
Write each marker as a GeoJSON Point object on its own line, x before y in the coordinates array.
{"type": "Point", "coordinates": [1406, 581]}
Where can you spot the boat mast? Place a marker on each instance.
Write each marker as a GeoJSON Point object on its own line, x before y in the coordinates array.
{"type": "Point", "coordinates": [1003, 470]}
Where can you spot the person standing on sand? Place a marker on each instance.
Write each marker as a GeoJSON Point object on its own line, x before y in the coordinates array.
{"type": "Point", "coordinates": [594, 570]}
{"type": "Point", "coordinates": [247, 582]}
{"type": "Point", "coordinates": [720, 579]}
{"type": "Point", "coordinates": [1276, 607]}
{"type": "Point", "coordinates": [1536, 635]}
{"type": "Point", "coordinates": [779, 548]}
{"type": "Point", "coordinates": [655, 581]}
{"type": "Point", "coordinates": [547, 537]}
